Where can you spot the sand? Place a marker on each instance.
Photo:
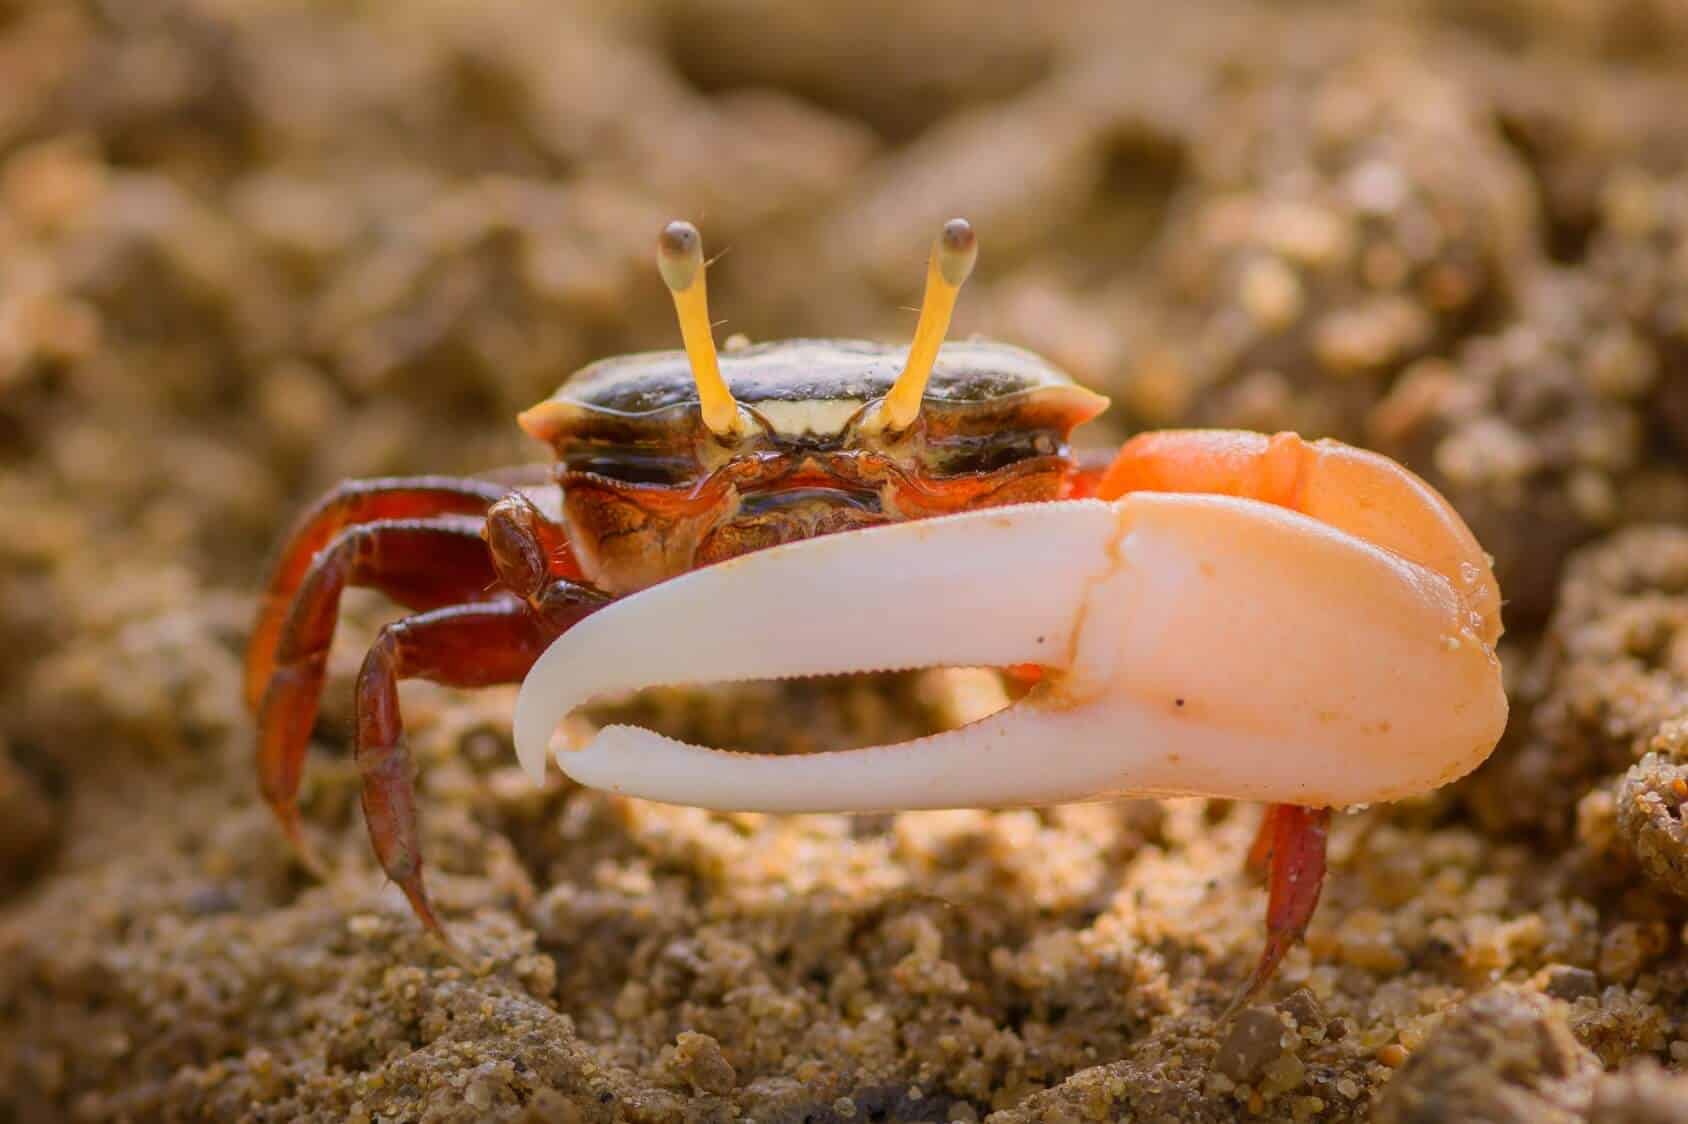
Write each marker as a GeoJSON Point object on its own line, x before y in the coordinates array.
{"type": "Point", "coordinates": [251, 248]}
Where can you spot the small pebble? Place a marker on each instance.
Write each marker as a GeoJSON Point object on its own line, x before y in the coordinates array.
{"type": "Point", "coordinates": [1255, 1038]}
{"type": "Point", "coordinates": [1393, 1055]}
{"type": "Point", "coordinates": [700, 1059]}
{"type": "Point", "coordinates": [1571, 983]}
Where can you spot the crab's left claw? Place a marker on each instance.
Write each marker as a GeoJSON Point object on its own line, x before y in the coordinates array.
{"type": "Point", "coordinates": [1195, 644]}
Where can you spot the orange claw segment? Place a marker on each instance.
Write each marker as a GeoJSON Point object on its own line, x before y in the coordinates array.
{"type": "Point", "coordinates": [1360, 492]}
{"type": "Point", "coordinates": [1226, 462]}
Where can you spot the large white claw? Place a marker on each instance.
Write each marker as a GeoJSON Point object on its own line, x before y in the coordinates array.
{"type": "Point", "coordinates": [1199, 645]}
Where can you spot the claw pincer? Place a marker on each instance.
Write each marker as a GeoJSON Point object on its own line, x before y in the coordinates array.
{"type": "Point", "coordinates": [1196, 644]}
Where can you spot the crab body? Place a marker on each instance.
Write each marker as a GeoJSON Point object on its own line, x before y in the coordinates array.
{"type": "Point", "coordinates": [1210, 613]}
{"type": "Point", "coordinates": [649, 492]}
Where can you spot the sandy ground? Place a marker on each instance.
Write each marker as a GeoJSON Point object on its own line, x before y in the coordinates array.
{"type": "Point", "coordinates": [250, 247]}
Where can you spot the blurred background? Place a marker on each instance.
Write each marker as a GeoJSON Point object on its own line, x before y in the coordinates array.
{"type": "Point", "coordinates": [251, 247]}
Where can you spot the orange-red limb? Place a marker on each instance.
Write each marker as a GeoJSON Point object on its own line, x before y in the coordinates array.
{"type": "Point", "coordinates": [350, 504]}
{"type": "Point", "coordinates": [535, 561]}
{"type": "Point", "coordinates": [1261, 849]}
{"type": "Point", "coordinates": [461, 646]}
{"type": "Point", "coordinates": [426, 561]}
{"type": "Point", "coordinates": [1295, 863]}
{"type": "Point", "coordinates": [528, 548]}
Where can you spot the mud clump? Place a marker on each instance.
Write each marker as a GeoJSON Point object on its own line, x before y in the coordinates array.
{"type": "Point", "coordinates": [1650, 799]}
{"type": "Point", "coordinates": [1604, 701]}
{"type": "Point", "coordinates": [1503, 1056]}
{"type": "Point", "coordinates": [1314, 260]}
{"type": "Point", "coordinates": [1644, 1094]}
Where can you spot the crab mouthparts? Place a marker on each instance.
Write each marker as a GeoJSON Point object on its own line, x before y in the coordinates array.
{"type": "Point", "coordinates": [943, 592]}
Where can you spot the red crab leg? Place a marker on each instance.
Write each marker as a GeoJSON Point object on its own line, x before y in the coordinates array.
{"type": "Point", "coordinates": [529, 549]}
{"type": "Point", "coordinates": [1295, 861]}
{"type": "Point", "coordinates": [458, 646]}
{"type": "Point", "coordinates": [417, 560]}
{"type": "Point", "coordinates": [352, 503]}
{"type": "Point", "coordinates": [1260, 851]}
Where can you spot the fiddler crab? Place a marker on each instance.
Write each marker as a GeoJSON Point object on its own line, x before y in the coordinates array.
{"type": "Point", "coordinates": [1209, 613]}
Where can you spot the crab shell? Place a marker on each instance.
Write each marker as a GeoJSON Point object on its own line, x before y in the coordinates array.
{"type": "Point", "coordinates": [649, 493]}
{"type": "Point", "coordinates": [1194, 643]}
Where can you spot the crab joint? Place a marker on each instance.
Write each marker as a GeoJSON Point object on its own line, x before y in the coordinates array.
{"type": "Point", "coordinates": [951, 261]}
{"type": "Point", "coordinates": [679, 257]}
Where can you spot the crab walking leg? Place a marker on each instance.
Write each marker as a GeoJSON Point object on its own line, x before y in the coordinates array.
{"type": "Point", "coordinates": [402, 558]}
{"type": "Point", "coordinates": [531, 552]}
{"type": "Point", "coordinates": [1199, 645]}
{"type": "Point", "coordinates": [1260, 851]}
{"type": "Point", "coordinates": [352, 503]}
{"type": "Point", "coordinates": [460, 646]}
{"type": "Point", "coordinates": [1295, 873]}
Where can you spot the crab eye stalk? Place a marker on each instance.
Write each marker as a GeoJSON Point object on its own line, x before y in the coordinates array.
{"type": "Point", "coordinates": [953, 255]}
{"type": "Point", "coordinates": [679, 257]}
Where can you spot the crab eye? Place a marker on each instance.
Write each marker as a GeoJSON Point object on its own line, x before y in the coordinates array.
{"type": "Point", "coordinates": [679, 258]}
{"type": "Point", "coordinates": [947, 269]}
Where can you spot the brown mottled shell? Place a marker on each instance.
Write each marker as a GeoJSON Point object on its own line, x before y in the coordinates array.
{"type": "Point", "coordinates": [809, 390]}
{"type": "Point", "coordinates": [649, 491]}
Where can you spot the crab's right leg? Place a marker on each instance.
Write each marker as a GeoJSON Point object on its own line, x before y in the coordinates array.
{"type": "Point", "coordinates": [351, 503]}
{"type": "Point", "coordinates": [460, 646]}
{"type": "Point", "coordinates": [516, 584]}
{"type": "Point", "coordinates": [429, 561]}
{"type": "Point", "coordinates": [1294, 864]}
{"type": "Point", "coordinates": [1260, 851]}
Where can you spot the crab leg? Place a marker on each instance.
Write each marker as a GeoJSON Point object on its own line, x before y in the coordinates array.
{"type": "Point", "coordinates": [1197, 645]}
{"type": "Point", "coordinates": [503, 589]}
{"type": "Point", "coordinates": [353, 503]}
{"type": "Point", "coordinates": [426, 561]}
{"type": "Point", "coordinates": [1294, 860]}
{"type": "Point", "coordinates": [1260, 851]}
{"type": "Point", "coordinates": [462, 646]}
